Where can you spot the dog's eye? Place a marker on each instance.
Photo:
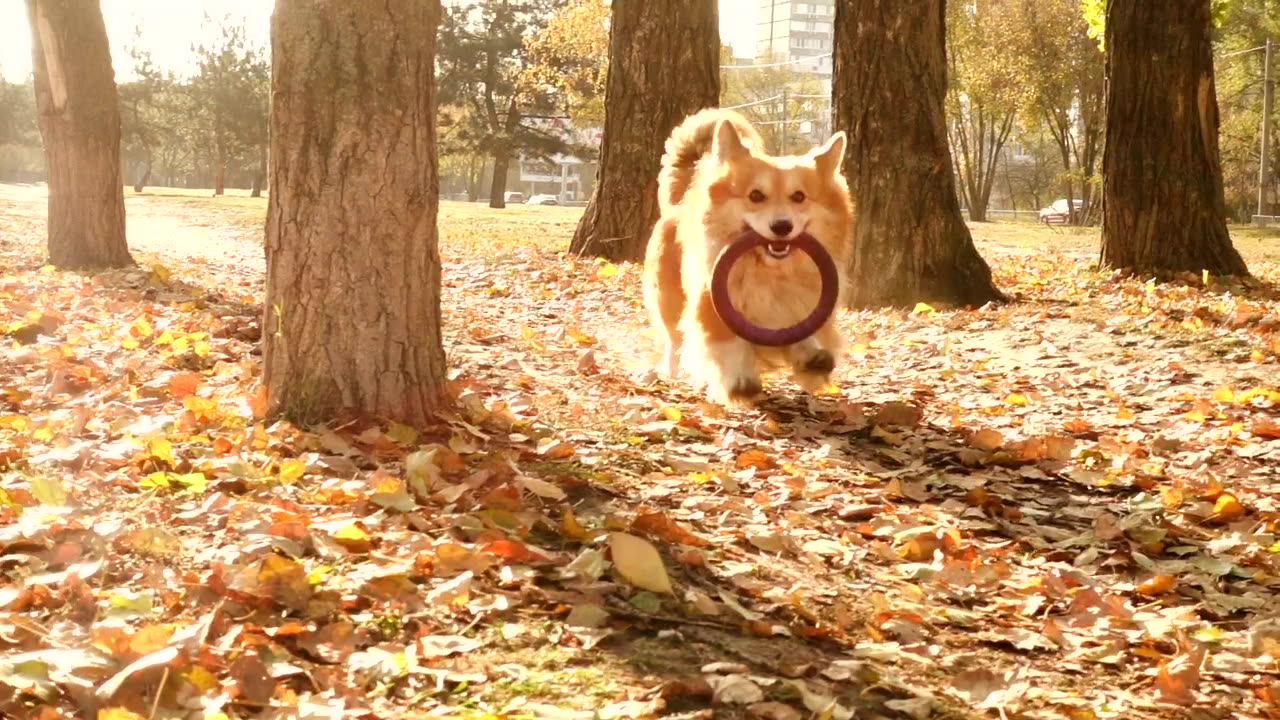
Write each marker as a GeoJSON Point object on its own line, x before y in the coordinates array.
{"type": "Point", "coordinates": [756, 196]}
{"type": "Point", "coordinates": [797, 196]}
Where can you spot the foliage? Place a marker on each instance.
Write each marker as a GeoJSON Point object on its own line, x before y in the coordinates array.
{"type": "Point", "coordinates": [231, 94]}
{"type": "Point", "coordinates": [761, 90]}
{"type": "Point", "coordinates": [984, 94]}
{"type": "Point", "coordinates": [571, 54]}
{"type": "Point", "coordinates": [1063, 70]}
{"type": "Point", "coordinates": [1244, 25]}
{"type": "Point", "coordinates": [501, 104]}
{"type": "Point", "coordinates": [1061, 507]}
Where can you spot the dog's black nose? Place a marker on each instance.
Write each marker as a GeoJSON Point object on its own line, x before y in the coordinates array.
{"type": "Point", "coordinates": [781, 227]}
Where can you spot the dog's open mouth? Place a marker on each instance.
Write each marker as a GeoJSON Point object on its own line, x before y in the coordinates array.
{"type": "Point", "coordinates": [778, 250]}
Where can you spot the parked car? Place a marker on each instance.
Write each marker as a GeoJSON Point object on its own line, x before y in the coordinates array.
{"type": "Point", "coordinates": [542, 200]}
{"type": "Point", "coordinates": [514, 197]}
{"type": "Point", "coordinates": [1057, 214]}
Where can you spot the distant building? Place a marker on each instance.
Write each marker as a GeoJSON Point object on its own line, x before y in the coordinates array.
{"type": "Point", "coordinates": [797, 31]}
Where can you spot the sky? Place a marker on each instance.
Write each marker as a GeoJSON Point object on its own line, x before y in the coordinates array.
{"type": "Point", "coordinates": [170, 27]}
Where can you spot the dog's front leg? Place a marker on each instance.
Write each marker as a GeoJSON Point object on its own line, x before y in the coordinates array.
{"type": "Point", "coordinates": [814, 358]}
{"type": "Point", "coordinates": [730, 372]}
{"type": "Point", "coordinates": [717, 357]}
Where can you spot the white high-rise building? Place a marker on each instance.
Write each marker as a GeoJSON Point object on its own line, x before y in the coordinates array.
{"type": "Point", "coordinates": [787, 30]}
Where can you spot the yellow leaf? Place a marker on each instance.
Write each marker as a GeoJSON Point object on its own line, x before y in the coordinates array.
{"type": "Point", "coordinates": [672, 413]}
{"type": "Point", "coordinates": [13, 422]}
{"type": "Point", "coordinates": [194, 482]}
{"type": "Point", "coordinates": [609, 270]}
{"type": "Point", "coordinates": [1016, 399]}
{"type": "Point", "coordinates": [351, 532]}
{"type": "Point", "coordinates": [165, 338]}
{"type": "Point", "coordinates": [43, 434]}
{"type": "Point", "coordinates": [402, 434]}
{"type": "Point", "coordinates": [1257, 356]}
{"type": "Point", "coordinates": [923, 308]}
{"type": "Point", "coordinates": [291, 470]}
{"type": "Point", "coordinates": [162, 272]}
{"type": "Point", "coordinates": [201, 349]}
{"type": "Point", "coordinates": [638, 561]}
{"type": "Point", "coordinates": [161, 449]}
{"type": "Point", "coordinates": [141, 328]}
{"type": "Point", "coordinates": [581, 337]}
{"type": "Point", "coordinates": [155, 480]}
{"type": "Point", "coordinates": [204, 681]}
{"type": "Point", "coordinates": [1224, 395]}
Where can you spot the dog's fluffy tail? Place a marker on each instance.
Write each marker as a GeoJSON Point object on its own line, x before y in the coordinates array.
{"type": "Point", "coordinates": [688, 143]}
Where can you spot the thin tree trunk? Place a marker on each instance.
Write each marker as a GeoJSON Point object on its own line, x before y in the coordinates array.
{"type": "Point", "coordinates": [1163, 209]}
{"type": "Point", "coordinates": [79, 117]}
{"type": "Point", "coordinates": [260, 177]}
{"type": "Point", "coordinates": [146, 172]}
{"type": "Point", "coordinates": [353, 269]}
{"type": "Point", "coordinates": [220, 170]}
{"type": "Point", "coordinates": [910, 242]}
{"type": "Point", "coordinates": [498, 183]}
{"type": "Point", "coordinates": [664, 58]}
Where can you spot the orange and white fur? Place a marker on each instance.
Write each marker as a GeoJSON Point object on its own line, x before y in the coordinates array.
{"type": "Point", "coordinates": [716, 182]}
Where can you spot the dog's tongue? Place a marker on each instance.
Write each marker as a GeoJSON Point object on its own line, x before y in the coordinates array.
{"type": "Point", "coordinates": [778, 249]}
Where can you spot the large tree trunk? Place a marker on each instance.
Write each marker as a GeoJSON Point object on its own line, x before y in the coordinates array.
{"type": "Point", "coordinates": [80, 123]}
{"type": "Point", "coordinates": [1163, 205]}
{"type": "Point", "coordinates": [353, 270]}
{"type": "Point", "coordinates": [498, 183]}
{"type": "Point", "coordinates": [664, 58]}
{"type": "Point", "coordinates": [910, 243]}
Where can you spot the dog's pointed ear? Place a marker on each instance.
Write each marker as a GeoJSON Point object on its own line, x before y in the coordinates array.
{"type": "Point", "coordinates": [728, 143]}
{"type": "Point", "coordinates": [829, 157]}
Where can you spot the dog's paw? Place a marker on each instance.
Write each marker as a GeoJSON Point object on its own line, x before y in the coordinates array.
{"type": "Point", "coordinates": [739, 392]}
{"type": "Point", "coordinates": [820, 362]}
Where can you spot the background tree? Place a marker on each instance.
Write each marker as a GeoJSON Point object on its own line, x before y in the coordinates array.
{"type": "Point", "coordinates": [230, 94]}
{"type": "Point", "coordinates": [354, 183]}
{"type": "Point", "coordinates": [910, 240]}
{"type": "Point", "coordinates": [1241, 26]}
{"type": "Point", "coordinates": [1164, 209]}
{"type": "Point", "coordinates": [1062, 65]}
{"type": "Point", "coordinates": [485, 67]}
{"type": "Point", "coordinates": [753, 87]}
{"type": "Point", "coordinates": [984, 97]}
{"type": "Point", "coordinates": [664, 66]}
{"type": "Point", "coordinates": [79, 117]}
{"type": "Point", "coordinates": [571, 54]}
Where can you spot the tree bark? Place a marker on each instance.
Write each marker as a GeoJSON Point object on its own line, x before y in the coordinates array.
{"type": "Point", "coordinates": [353, 269]}
{"type": "Point", "coordinates": [910, 243]}
{"type": "Point", "coordinates": [79, 117]}
{"type": "Point", "coordinates": [498, 183]}
{"type": "Point", "coordinates": [664, 58]}
{"type": "Point", "coordinates": [1163, 205]}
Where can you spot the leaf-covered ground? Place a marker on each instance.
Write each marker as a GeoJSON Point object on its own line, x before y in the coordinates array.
{"type": "Point", "coordinates": [1064, 507]}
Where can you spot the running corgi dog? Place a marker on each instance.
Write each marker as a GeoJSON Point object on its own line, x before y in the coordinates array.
{"type": "Point", "coordinates": [716, 182]}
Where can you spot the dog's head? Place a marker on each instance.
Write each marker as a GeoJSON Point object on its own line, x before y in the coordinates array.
{"type": "Point", "coordinates": [780, 197]}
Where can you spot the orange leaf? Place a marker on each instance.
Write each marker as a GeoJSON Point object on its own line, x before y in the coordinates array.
{"type": "Point", "coordinates": [1228, 508]}
{"type": "Point", "coordinates": [1158, 585]}
{"type": "Point", "coordinates": [757, 459]}
{"type": "Point", "coordinates": [514, 551]}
